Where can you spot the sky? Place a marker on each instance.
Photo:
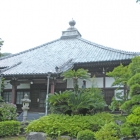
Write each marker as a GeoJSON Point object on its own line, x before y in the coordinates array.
{"type": "Point", "coordinates": [25, 24]}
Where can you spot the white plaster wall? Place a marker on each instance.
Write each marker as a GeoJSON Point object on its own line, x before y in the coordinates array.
{"type": "Point", "coordinates": [24, 86]}
{"type": "Point", "coordinates": [108, 82]}
{"type": "Point", "coordinates": [21, 86]}
{"type": "Point", "coordinates": [98, 82]}
{"type": "Point", "coordinates": [7, 84]}
{"type": "Point", "coordinates": [69, 83]}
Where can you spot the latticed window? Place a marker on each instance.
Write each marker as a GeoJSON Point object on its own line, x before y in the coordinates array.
{"type": "Point", "coordinates": [7, 96]}
{"type": "Point", "coordinates": [20, 95]}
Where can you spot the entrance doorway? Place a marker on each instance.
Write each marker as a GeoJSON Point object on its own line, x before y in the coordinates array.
{"type": "Point", "coordinates": [38, 100]}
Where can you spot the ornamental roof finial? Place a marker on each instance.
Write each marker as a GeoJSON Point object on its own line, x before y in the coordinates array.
{"type": "Point", "coordinates": [72, 23]}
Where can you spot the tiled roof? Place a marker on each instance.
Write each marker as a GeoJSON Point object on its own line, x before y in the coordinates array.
{"type": "Point", "coordinates": [63, 53]}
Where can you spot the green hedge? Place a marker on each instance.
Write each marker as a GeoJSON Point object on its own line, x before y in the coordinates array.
{"type": "Point", "coordinates": [56, 124]}
{"type": "Point", "coordinates": [85, 135]}
{"type": "Point", "coordinates": [9, 128]}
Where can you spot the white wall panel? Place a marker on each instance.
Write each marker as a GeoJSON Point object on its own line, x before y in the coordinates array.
{"type": "Point", "coordinates": [7, 84]}
{"type": "Point", "coordinates": [98, 82]}
{"type": "Point", "coordinates": [108, 82]}
{"type": "Point", "coordinates": [69, 83]}
{"type": "Point", "coordinates": [24, 86]}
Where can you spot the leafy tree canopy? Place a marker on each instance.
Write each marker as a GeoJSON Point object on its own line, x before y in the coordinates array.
{"type": "Point", "coordinates": [120, 74]}
{"type": "Point", "coordinates": [1, 43]}
{"type": "Point", "coordinates": [75, 75]}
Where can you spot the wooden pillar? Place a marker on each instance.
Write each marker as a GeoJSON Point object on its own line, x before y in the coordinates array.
{"type": "Point", "coordinates": [104, 81]}
{"type": "Point", "coordinates": [14, 84]}
{"type": "Point", "coordinates": [52, 87]}
{"type": "Point", "coordinates": [104, 78]}
{"type": "Point", "coordinates": [14, 87]}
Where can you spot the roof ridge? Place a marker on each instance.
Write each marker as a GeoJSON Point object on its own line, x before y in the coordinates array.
{"type": "Point", "coordinates": [108, 48]}
{"type": "Point", "coordinates": [12, 55]}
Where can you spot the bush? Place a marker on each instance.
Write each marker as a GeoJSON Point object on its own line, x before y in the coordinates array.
{"type": "Point", "coordinates": [8, 128]}
{"type": "Point", "coordinates": [7, 112]}
{"type": "Point", "coordinates": [110, 131]}
{"type": "Point", "coordinates": [85, 135]}
{"type": "Point", "coordinates": [56, 124]}
{"type": "Point", "coordinates": [132, 126]}
{"type": "Point", "coordinates": [87, 101]}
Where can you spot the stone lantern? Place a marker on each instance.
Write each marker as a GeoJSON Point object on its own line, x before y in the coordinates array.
{"type": "Point", "coordinates": [25, 107]}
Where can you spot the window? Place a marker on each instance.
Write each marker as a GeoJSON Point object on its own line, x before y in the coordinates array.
{"type": "Point", "coordinates": [20, 95]}
{"type": "Point", "coordinates": [119, 94]}
{"type": "Point", "coordinates": [7, 96]}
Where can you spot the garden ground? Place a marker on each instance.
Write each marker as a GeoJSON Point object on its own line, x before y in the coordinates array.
{"type": "Point", "coordinates": [13, 138]}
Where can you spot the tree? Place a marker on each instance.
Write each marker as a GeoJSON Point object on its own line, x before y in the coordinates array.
{"type": "Point", "coordinates": [128, 76]}
{"type": "Point", "coordinates": [81, 101]}
{"type": "Point", "coordinates": [1, 43]}
{"type": "Point", "coordinates": [121, 75]}
{"type": "Point", "coordinates": [134, 86]}
{"type": "Point", "coordinates": [75, 75]}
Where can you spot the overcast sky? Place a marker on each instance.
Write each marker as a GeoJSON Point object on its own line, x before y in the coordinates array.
{"type": "Point", "coordinates": [25, 24]}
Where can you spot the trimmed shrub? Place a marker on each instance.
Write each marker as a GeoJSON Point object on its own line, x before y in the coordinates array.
{"type": "Point", "coordinates": [56, 124]}
{"type": "Point", "coordinates": [9, 128]}
{"type": "Point", "coordinates": [132, 126]}
{"type": "Point", "coordinates": [8, 112]}
{"type": "Point", "coordinates": [85, 135]}
{"type": "Point", "coordinates": [110, 131]}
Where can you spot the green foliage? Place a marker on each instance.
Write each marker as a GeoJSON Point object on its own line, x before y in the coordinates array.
{"type": "Point", "coordinates": [134, 66]}
{"type": "Point", "coordinates": [85, 135]}
{"type": "Point", "coordinates": [75, 75]}
{"type": "Point", "coordinates": [121, 75]}
{"type": "Point", "coordinates": [126, 130]}
{"type": "Point", "coordinates": [80, 73]}
{"type": "Point", "coordinates": [134, 80]}
{"type": "Point", "coordinates": [115, 104]}
{"type": "Point", "coordinates": [87, 101]}
{"type": "Point", "coordinates": [60, 138]}
{"type": "Point", "coordinates": [134, 118]}
{"type": "Point", "coordinates": [1, 100]}
{"type": "Point", "coordinates": [1, 43]}
{"type": "Point", "coordinates": [135, 89]}
{"type": "Point", "coordinates": [132, 126]}
{"type": "Point", "coordinates": [134, 83]}
{"type": "Point", "coordinates": [9, 128]}
{"type": "Point", "coordinates": [129, 105]}
{"type": "Point", "coordinates": [97, 99]}
{"type": "Point", "coordinates": [79, 102]}
{"type": "Point", "coordinates": [58, 102]}
{"type": "Point", "coordinates": [110, 131]}
{"type": "Point", "coordinates": [7, 112]}
{"type": "Point", "coordinates": [2, 84]}
{"type": "Point", "coordinates": [119, 117]}
{"type": "Point", "coordinates": [127, 76]}
{"type": "Point", "coordinates": [56, 125]}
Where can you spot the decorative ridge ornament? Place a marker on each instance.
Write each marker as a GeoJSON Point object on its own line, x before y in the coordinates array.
{"type": "Point", "coordinates": [71, 32]}
{"type": "Point", "coordinates": [72, 23]}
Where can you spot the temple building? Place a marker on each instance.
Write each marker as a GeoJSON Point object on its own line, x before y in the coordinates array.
{"type": "Point", "coordinates": [37, 70]}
